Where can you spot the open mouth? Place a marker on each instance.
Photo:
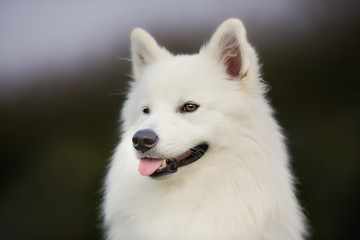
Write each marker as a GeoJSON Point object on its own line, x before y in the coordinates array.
{"type": "Point", "coordinates": [161, 167]}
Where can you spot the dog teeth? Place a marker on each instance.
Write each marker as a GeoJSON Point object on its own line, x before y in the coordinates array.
{"type": "Point", "coordinates": [163, 164]}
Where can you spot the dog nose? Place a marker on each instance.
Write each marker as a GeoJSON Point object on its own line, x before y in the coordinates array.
{"type": "Point", "coordinates": [144, 140]}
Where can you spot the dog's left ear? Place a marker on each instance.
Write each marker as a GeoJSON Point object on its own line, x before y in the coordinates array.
{"type": "Point", "coordinates": [144, 51]}
{"type": "Point", "coordinates": [230, 48]}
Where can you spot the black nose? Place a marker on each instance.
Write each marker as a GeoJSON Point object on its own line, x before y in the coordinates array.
{"type": "Point", "coordinates": [144, 140]}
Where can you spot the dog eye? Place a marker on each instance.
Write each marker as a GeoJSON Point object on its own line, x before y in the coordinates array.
{"type": "Point", "coordinates": [189, 107]}
{"type": "Point", "coordinates": [146, 110]}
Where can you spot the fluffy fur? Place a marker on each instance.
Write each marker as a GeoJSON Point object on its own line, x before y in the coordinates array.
{"type": "Point", "coordinates": [241, 188]}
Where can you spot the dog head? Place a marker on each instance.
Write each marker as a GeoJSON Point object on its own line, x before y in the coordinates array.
{"type": "Point", "coordinates": [182, 108]}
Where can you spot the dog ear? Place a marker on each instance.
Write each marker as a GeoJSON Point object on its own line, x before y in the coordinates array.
{"type": "Point", "coordinates": [229, 47]}
{"type": "Point", "coordinates": [144, 51]}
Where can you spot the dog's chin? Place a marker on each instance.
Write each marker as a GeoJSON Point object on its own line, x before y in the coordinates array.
{"type": "Point", "coordinates": [172, 165]}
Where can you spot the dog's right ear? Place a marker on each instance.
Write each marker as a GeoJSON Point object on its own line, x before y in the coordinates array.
{"type": "Point", "coordinates": [144, 51]}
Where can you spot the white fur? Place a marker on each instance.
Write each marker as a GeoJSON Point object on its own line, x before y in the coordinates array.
{"type": "Point", "coordinates": [241, 188]}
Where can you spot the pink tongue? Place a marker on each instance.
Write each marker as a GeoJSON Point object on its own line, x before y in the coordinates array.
{"type": "Point", "coordinates": [148, 166]}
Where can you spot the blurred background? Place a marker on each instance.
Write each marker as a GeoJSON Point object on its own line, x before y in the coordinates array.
{"type": "Point", "coordinates": [62, 85]}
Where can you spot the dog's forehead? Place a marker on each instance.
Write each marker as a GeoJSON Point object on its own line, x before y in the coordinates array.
{"type": "Point", "coordinates": [180, 79]}
{"type": "Point", "coordinates": [184, 72]}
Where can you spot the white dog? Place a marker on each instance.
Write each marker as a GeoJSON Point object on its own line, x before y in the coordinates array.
{"type": "Point", "coordinates": [201, 156]}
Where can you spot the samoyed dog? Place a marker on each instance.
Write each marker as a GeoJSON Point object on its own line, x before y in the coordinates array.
{"type": "Point", "coordinates": [201, 156]}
